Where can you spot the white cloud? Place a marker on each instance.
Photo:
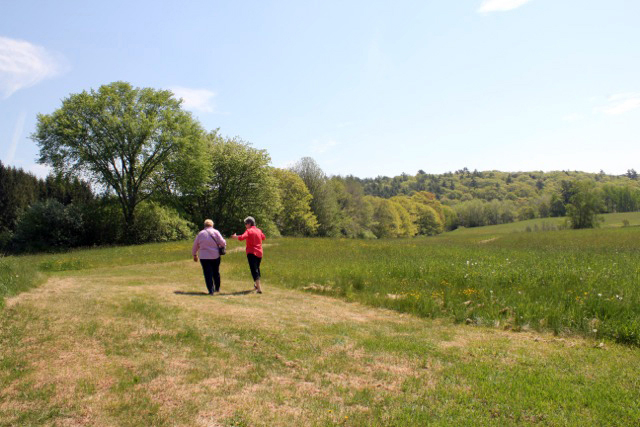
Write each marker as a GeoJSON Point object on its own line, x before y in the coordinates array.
{"type": "Point", "coordinates": [500, 5]}
{"type": "Point", "coordinates": [320, 147]}
{"type": "Point", "coordinates": [23, 64]}
{"type": "Point", "coordinates": [621, 103]}
{"type": "Point", "coordinates": [195, 99]}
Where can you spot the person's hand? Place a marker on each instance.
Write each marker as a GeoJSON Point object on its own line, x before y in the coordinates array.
{"type": "Point", "coordinates": [234, 236]}
{"type": "Point", "coordinates": [195, 258]}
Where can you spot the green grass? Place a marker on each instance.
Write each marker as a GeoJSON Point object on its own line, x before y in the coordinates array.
{"type": "Point", "coordinates": [110, 341]}
{"type": "Point", "coordinates": [614, 220]}
{"type": "Point", "coordinates": [568, 281]}
{"type": "Point", "coordinates": [17, 275]}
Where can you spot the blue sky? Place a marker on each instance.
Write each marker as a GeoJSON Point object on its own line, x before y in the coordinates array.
{"type": "Point", "coordinates": [366, 88]}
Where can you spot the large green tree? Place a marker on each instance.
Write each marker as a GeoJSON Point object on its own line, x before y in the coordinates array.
{"type": "Point", "coordinates": [295, 217]}
{"type": "Point", "coordinates": [324, 203]}
{"type": "Point", "coordinates": [123, 138]}
{"type": "Point", "coordinates": [239, 184]}
{"type": "Point", "coordinates": [585, 205]}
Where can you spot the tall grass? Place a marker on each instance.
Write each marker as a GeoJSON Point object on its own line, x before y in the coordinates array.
{"type": "Point", "coordinates": [17, 275]}
{"type": "Point", "coordinates": [568, 281]}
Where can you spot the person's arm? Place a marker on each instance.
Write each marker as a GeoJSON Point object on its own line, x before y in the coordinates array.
{"type": "Point", "coordinates": [194, 249]}
{"type": "Point", "coordinates": [243, 236]}
{"type": "Point", "coordinates": [262, 236]}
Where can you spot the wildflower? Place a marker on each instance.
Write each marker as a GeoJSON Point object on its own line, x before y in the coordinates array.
{"type": "Point", "coordinates": [599, 295]}
{"type": "Point", "coordinates": [594, 331]}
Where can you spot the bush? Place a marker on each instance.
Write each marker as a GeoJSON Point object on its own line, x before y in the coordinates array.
{"type": "Point", "coordinates": [103, 223]}
{"type": "Point", "coordinates": [48, 226]}
{"type": "Point", "coordinates": [156, 223]}
{"type": "Point", "coordinates": [5, 241]}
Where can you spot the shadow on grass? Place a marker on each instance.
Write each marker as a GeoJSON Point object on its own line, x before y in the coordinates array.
{"type": "Point", "coordinates": [205, 294]}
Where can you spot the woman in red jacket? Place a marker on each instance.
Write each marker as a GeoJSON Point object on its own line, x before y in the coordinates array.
{"type": "Point", "coordinates": [254, 237]}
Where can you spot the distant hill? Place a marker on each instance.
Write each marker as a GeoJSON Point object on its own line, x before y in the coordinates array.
{"type": "Point", "coordinates": [463, 185]}
{"type": "Point", "coordinates": [494, 197]}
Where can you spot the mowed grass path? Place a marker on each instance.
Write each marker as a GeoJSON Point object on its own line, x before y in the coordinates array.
{"type": "Point", "coordinates": [139, 345]}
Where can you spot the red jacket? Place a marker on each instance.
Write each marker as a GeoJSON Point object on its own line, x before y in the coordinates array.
{"type": "Point", "coordinates": [254, 237]}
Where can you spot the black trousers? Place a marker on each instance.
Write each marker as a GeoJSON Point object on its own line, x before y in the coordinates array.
{"type": "Point", "coordinates": [211, 270]}
{"type": "Point", "coordinates": [254, 266]}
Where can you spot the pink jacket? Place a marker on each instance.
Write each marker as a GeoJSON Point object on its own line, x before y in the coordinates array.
{"type": "Point", "coordinates": [205, 244]}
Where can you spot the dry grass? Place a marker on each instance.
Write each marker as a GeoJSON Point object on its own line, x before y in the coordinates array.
{"type": "Point", "coordinates": [139, 346]}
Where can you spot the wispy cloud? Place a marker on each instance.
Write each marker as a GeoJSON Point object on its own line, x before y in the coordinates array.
{"type": "Point", "coordinates": [621, 103]}
{"type": "Point", "coordinates": [195, 99]}
{"type": "Point", "coordinates": [320, 147]}
{"type": "Point", "coordinates": [17, 133]}
{"type": "Point", "coordinates": [23, 64]}
{"type": "Point", "coordinates": [488, 6]}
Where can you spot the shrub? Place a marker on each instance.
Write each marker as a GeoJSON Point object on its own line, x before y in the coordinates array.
{"type": "Point", "coordinates": [49, 226]}
{"type": "Point", "coordinates": [156, 223]}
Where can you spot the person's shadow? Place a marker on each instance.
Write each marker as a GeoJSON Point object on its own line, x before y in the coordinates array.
{"type": "Point", "coordinates": [205, 294]}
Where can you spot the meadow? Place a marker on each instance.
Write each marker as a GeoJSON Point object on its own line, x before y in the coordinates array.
{"type": "Point", "coordinates": [468, 328]}
{"type": "Point", "coordinates": [567, 281]}
{"type": "Point", "coordinates": [564, 281]}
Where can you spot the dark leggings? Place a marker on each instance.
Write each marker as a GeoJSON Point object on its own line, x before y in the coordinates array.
{"type": "Point", "coordinates": [254, 266]}
{"type": "Point", "coordinates": [211, 270]}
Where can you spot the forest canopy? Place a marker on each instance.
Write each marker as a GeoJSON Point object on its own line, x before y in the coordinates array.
{"type": "Point", "coordinates": [131, 166]}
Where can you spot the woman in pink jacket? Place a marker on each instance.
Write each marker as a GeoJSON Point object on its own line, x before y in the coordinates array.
{"type": "Point", "coordinates": [207, 244]}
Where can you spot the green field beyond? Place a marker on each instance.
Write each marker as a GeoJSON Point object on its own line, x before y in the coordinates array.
{"type": "Point", "coordinates": [570, 281]}
{"type": "Point", "coordinates": [504, 328]}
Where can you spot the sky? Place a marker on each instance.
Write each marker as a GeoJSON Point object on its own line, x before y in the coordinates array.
{"type": "Point", "coordinates": [366, 88]}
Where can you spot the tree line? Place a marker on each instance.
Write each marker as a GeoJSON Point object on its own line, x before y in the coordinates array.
{"type": "Point", "coordinates": [494, 197]}
{"type": "Point", "coordinates": [129, 165]}
{"type": "Point", "coordinates": [132, 166]}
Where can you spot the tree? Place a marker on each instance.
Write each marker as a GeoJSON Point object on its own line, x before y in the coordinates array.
{"type": "Point", "coordinates": [295, 216]}
{"type": "Point", "coordinates": [18, 190]}
{"type": "Point", "coordinates": [356, 210]}
{"type": "Point", "coordinates": [585, 205]}
{"type": "Point", "coordinates": [239, 184]}
{"type": "Point", "coordinates": [324, 203]}
{"type": "Point", "coordinates": [406, 209]}
{"type": "Point", "coordinates": [123, 138]}
{"type": "Point", "coordinates": [386, 221]}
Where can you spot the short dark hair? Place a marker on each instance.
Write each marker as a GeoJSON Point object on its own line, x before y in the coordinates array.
{"type": "Point", "coordinates": [249, 220]}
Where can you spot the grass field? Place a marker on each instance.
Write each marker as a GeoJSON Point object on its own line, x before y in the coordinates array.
{"type": "Point", "coordinates": [125, 335]}
{"type": "Point", "coordinates": [569, 281]}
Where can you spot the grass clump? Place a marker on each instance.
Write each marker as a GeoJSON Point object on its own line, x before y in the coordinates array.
{"type": "Point", "coordinates": [17, 275]}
